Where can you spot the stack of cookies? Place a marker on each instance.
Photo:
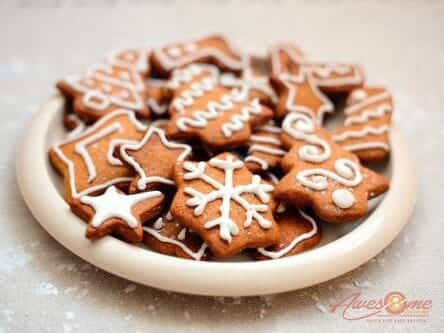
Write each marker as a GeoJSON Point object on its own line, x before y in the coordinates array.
{"type": "Point", "coordinates": [200, 151]}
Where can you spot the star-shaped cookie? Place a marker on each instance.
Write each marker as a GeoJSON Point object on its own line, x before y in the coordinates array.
{"type": "Point", "coordinates": [87, 161]}
{"type": "Point", "coordinates": [153, 159]}
{"type": "Point", "coordinates": [114, 212]}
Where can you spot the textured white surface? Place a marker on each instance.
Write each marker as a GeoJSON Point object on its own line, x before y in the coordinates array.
{"type": "Point", "coordinates": [399, 44]}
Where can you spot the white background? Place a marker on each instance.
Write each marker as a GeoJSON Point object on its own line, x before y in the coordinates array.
{"type": "Point", "coordinates": [43, 287]}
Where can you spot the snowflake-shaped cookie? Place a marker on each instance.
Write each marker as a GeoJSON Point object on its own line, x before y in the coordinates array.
{"type": "Point", "coordinates": [223, 202]}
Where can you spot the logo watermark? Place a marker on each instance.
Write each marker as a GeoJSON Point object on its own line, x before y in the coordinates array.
{"type": "Point", "coordinates": [393, 307]}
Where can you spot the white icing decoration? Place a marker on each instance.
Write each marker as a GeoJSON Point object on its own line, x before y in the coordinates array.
{"type": "Point", "coordinates": [249, 82]}
{"type": "Point", "coordinates": [196, 90]}
{"type": "Point", "coordinates": [366, 130]}
{"type": "Point", "coordinates": [227, 192]}
{"type": "Point", "coordinates": [358, 95]}
{"type": "Point", "coordinates": [115, 204]}
{"type": "Point", "coordinates": [301, 127]}
{"type": "Point", "coordinates": [347, 174]}
{"type": "Point", "coordinates": [238, 120]}
{"type": "Point", "coordinates": [262, 163]}
{"type": "Point", "coordinates": [80, 126]}
{"type": "Point", "coordinates": [71, 170]}
{"type": "Point", "coordinates": [199, 52]}
{"type": "Point", "coordinates": [185, 75]}
{"type": "Point", "coordinates": [367, 146]}
{"type": "Point", "coordinates": [309, 67]}
{"type": "Point", "coordinates": [369, 114]}
{"type": "Point", "coordinates": [135, 60]}
{"type": "Point", "coordinates": [266, 150]}
{"type": "Point", "coordinates": [158, 109]}
{"type": "Point", "coordinates": [99, 100]}
{"type": "Point", "coordinates": [144, 178]}
{"type": "Point", "coordinates": [294, 242]}
{"type": "Point", "coordinates": [81, 147]}
{"type": "Point", "coordinates": [174, 52]}
{"type": "Point", "coordinates": [195, 255]}
{"type": "Point", "coordinates": [371, 100]}
{"type": "Point", "coordinates": [343, 198]}
{"type": "Point", "coordinates": [227, 102]}
{"type": "Point", "coordinates": [258, 147]}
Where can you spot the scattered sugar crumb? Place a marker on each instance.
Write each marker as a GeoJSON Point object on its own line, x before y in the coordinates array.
{"type": "Point", "coordinates": [46, 289]}
{"type": "Point", "coordinates": [129, 288]}
{"type": "Point", "coordinates": [67, 328]}
{"type": "Point", "coordinates": [70, 290]}
{"type": "Point", "coordinates": [347, 286]}
{"type": "Point", "coordinates": [13, 258]}
{"type": "Point", "coordinates": [268, 300]}
{"type": "Point", "coordinates": [69, 315]}
{"type": "Point", "coordinates": [363, 284]}
{"type": "Point", "coordinates": [7, 314]}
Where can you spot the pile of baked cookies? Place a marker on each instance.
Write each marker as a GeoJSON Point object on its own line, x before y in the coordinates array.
{"type": "Point", "coordinates": [200, 151]}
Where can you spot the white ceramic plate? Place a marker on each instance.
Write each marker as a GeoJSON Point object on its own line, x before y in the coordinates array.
{"type": "Point", "coordinates": [343, 247]}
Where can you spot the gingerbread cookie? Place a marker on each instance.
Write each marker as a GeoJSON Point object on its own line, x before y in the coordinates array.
{"type": "Point", "coordinates": [214, 115]}
{"type": "Point", "coordinates": [153, 159]}
{"type": "Point", "coordinates": [214, 50]}
{"type": "Point", "coordinates": [322, 175]}
{"type": "Point", "coordinates": [331, 77]}
{"type": "Point", "coordinates": [114, 212]}
{"type": "Point", "coordinates": [167, 236]}
{"type": "Point", "coordinates": [368, 116]}
{"type": "Point", "coordinates": [158, 97]}
{"type": "Point", "coordinates": [264, 148]}
{"type": "Point", "coordinates": [301, 94]}
{"type": "Point", "coordinates": [87, 161]}
{"type": "Point", "coordinates": [229, 207]}
{"type": "Point", "coordinates": [105, 88]}
{"type": "Point", "coordinates": [298, 232]}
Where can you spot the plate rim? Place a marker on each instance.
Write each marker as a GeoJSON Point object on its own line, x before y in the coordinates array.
{"type": "Point", "coordinates": [210, 278]}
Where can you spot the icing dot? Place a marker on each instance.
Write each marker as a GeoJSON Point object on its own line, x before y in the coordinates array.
{"type": "Point", "coordinates": [343, 198]}
{"type": "Point", "coordinates": [304, 126]}
{"type": "Point", "coordinates": [174, 52]}
{"type": "Point", "coordinates": [358, 96]}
